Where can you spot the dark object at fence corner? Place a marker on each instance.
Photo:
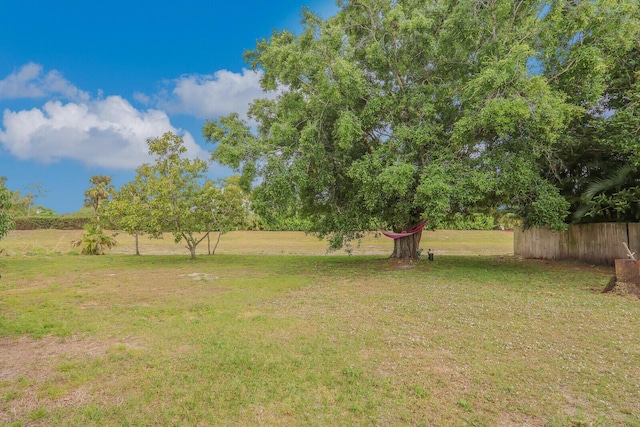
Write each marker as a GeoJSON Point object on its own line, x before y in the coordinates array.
{"type": "Point", "coordinates": [430, 255]}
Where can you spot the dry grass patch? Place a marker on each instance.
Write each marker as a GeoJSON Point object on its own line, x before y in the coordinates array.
{"type": "Point", "coordinates": [40, 374]}
{"type": "Point", "coordinates": [442, 242]}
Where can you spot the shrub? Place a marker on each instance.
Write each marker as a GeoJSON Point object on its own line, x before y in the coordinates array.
{"type": "Point", "coordinates": [474, 221]}
{"type": "Point", "coordinates": [94, 241]}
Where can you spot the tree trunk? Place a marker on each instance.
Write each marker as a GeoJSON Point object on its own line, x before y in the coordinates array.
{"type": "Point", "coordinates": [217, 242]}
{"type": "Point", "coordinates": [627, 276]}
{"type": "Point", "coordinates": [192, 250]}
{"type": "Point", "coordinates": [406, 248]}
{"type": "Point", "coordinates": [137, 247]}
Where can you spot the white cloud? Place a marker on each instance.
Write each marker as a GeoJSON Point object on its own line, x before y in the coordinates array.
{"type": "Point", "coordinates": [211, 96]}
{"type": "Point", "coordinates": [142, 98]}
{"type": "Point", "coordinates": [31, 82]}
{"type": "Point", "coordinates": [108, 132]}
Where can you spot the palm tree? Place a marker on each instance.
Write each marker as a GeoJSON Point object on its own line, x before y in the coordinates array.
{"type": "Point", "coordinates": [99, 192]}
{"type": "Point", "coordinates": [613, 198]}
{"type": "Point", "coordinates": [94, 241]}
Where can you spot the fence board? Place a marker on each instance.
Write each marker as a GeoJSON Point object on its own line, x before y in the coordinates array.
{"type": "Point", "coordinates": [591, 243]}
{"type": "Point", "coordinates": [634, 238]}
{"type": "Point", "coordinates": [536, 242]}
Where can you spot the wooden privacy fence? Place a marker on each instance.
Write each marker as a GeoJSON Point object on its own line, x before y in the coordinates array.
{"type": "Point", "coordinates": [590, 243]}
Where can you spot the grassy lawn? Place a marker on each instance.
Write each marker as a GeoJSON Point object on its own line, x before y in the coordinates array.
{"type": "Point", "coordinates": [278, 339]}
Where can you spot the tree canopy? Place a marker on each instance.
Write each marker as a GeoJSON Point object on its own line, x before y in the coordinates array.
{"type": "Point", "coordinates": [391, 113]}
{"type": "Point", "coordinates": [596, 164]}
{"type": "Point", "coordinates": [127, 211]}
{"type": "Point", "coordinates": [98, 193]}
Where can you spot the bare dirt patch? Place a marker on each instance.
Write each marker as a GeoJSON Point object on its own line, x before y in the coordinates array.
{"type": "Point", "coordinates": [29, 358]}
{"type": "Point", "coordinates": [509, 419]}
{"type": "Point", "coordinates": [27, 365]}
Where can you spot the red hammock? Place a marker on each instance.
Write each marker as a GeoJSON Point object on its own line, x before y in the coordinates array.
{"type": "Point", "coordinates": [402, 234]}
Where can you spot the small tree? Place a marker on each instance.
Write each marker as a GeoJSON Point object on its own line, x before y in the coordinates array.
{"type": "Point", "coordinates": [94, 241]}
{"type": "Point", "coordinates": [127, 211]}
{"type": "Point", "coordinates": [175, 196]}
{"type": "Point", "coordinates": [24, 203]}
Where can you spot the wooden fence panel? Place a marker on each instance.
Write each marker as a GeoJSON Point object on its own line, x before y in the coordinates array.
{"type": "Point", "coordinates": [591, 243]}
{"type": "Point", "coordinates": [538, 242]}
{"type": "Point", "coordinates": [634, 238]}
{"type": "Point", "coordinates": [597, 243]}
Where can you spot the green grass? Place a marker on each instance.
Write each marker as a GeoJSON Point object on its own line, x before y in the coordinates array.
{"type": "Point", "coordinates": [314, 340]}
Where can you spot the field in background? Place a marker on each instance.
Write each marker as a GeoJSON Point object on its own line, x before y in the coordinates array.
{"type": "Point", "coordinates": [316, 340]}
{"type": "Point", "coordinates": [442, 242]}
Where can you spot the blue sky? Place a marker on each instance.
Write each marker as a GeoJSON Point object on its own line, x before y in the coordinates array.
{"type": "Point", "coordinates": [83, 84]}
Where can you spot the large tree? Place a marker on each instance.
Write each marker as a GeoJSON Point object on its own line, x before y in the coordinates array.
{"type": "Point", "coordinates": [393, 113]}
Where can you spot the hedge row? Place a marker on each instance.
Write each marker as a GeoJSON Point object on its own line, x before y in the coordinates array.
{"type": "Point", "coordinates": [46, 223]}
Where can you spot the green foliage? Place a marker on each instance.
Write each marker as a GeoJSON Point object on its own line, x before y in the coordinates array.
{"type": "Point", "coordinates": [126, 211]}
{"type": "Point", "coordinates": [391, 113]}
{"type": "Point", "coordinates": [171, 189]}
{"type": "Point", "coordinates": [98, 193]}
{"type": "Point", "coordinates": [507, 220]}
{"type": "Point", "coordinates": [282, 223]}
{"type": "Point", "coordinates": [83, 212]}
{"type": "Point", "coordinates": [16, 210]}
{"type": "Point", "coordinates": [6, 219]}
{"type": "Point", "coordinates": [173, 196]}
{"type": "Point", "coordinates": [23, 205]}
{"type": "Point", "coordinates": [474, 221]}
{"type": "Point", "coordinates": [544, 206]}
{"type": "Point", "coordinates": [43, 211]}
{"type": "Point", "coordinates": [620, 206]}
{"type": "Point", "coordinates": [227, 203]}
{"type": "Point", "coordinates": [95, 241]}
{"type": "Point", "coordinates": [603, 140]}
{"type": "Point", "coordinates": [612, 199]}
